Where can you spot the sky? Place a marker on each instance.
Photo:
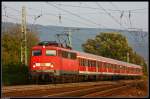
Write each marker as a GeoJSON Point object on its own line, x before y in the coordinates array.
{"type": "Point", "coordinates": [116, 15]}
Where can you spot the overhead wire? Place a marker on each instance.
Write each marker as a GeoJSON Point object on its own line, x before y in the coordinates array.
{"type": "Point", "coordinates": [11, 17]}
{"type": "Point", "coordinates": [114, 19]}
{"type": "Point", "coordinates": [109, 14]}
{"type": "Point", "coordinates": [53, 15]}
{"type": "Point", "coordinates": [71, 19]}
{"type": "Point", "coordinates": [80, 16]}
{"type": "Point", "coordinates": [61, 14]}
{"type": "Point", "coordinates": [126, 16]}
{"type": "Point", "coordinates": [121, 11]}
{"type": "Point", "coordinates": [98, 8]}
{"type": "Point", "coordinates": [87, 20]}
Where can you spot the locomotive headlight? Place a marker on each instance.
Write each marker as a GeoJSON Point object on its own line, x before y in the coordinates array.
{"type": "Point", "coordinates": [33, 66]}
{"type": "Point", "coordinates": [52, 65]}
{"type": "Point", "coordinates": [47, 64]}
{"type": "Point", "coordinates": [37, 64]}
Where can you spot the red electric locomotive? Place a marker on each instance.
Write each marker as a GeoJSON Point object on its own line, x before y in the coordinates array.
{"type": "Point", "coordinates": [50, 61]}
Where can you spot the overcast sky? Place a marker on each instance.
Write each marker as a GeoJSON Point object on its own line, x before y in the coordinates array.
{"type": "Point", "coordinates": [80, 14]}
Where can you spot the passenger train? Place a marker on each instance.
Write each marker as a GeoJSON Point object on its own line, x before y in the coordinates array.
{"type": "Point", "coordinates": [52, 62]}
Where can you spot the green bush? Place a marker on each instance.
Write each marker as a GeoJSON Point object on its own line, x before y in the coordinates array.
{"type": "Point", "coordinates": [14, 74]}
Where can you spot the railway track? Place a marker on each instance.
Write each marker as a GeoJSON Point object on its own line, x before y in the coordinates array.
{"type": "Point", "coordinates": [34, 90]}
{"type": "Point", "coordinates": [97, 91]}
{"type": "Point", "coordinates": [90, 89]}
{"type": "Point", "coordinates": [107, 92]}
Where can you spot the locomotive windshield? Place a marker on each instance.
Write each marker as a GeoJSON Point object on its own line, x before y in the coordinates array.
{"type": "Point", "coordinates": [50, 52]}
{"type": "Point", "coordinates": [36, 53]}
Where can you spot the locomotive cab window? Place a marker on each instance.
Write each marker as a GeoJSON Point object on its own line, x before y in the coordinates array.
{"type": "Point", "coordinates": [69, 55]}
{"type": "Point", "coordinates": [36, 53]}
{"type": "Point", "coordinates": [50, 52]}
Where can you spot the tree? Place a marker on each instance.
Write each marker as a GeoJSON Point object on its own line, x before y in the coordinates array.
{"type": "Point", "coordinates": [113, 45]}
{"type": "Point", "coordinates": [11, 45]}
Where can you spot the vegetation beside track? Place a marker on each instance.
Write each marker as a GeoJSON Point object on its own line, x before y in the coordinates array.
{"type": "Point", "coordinates": [14, 75]}
{"type": "Point", "coordinates": [137, 90]}
{"type": "Point", "coordinates": [12, 71]}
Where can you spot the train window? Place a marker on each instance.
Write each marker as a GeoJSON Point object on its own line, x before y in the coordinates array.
{"type": "Point", "coordinates": [89, 63]}
{"type": "Point", "coordinates": [69, 55]}
{"type": "Point", "coordinates": [50, 52]}
{"type": "Point", "coordinates": [97, 63]}
{"type": "Point", "coordinates": [59, 53]}
{"type": "Point", "coordinates": [85, 64]}
{"type": "Point", "coordinates": [36, 53]}
{"type": "Point", "coordinates": [101, 64]}
{"type": "Point", "coordinates": [106, 65]}
{"type": "Point", "coordinates": [73, 55]}
{"type": "Point", "coordinates": [111, 66]}
{"type": "Point", "coordinates": [133, 70]}
{"type": "Point", "coordinates": [93, 63]}
{"type": "Point", "coordinates": [64, 54]}
{"type": "Point", "coordinates": [114, 67]}
{"type": "Point", "coordinates": [122, 67]}
{"type": "Point", "coordinates": [80, 61]}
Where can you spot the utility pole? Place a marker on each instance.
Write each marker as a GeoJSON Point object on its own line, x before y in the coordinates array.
{"type": "Point", "coordinates": [23, 38]}
{"type": "Point", "coordinates": [69, 38]}
{"type": "Point", "coordinates": [70, 34]}
{"type": "Point", "coordinates": [128, 57]}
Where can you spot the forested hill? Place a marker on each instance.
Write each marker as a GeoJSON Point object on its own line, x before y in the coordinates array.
{"type": "Point", "coordinates": [138, 40]}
